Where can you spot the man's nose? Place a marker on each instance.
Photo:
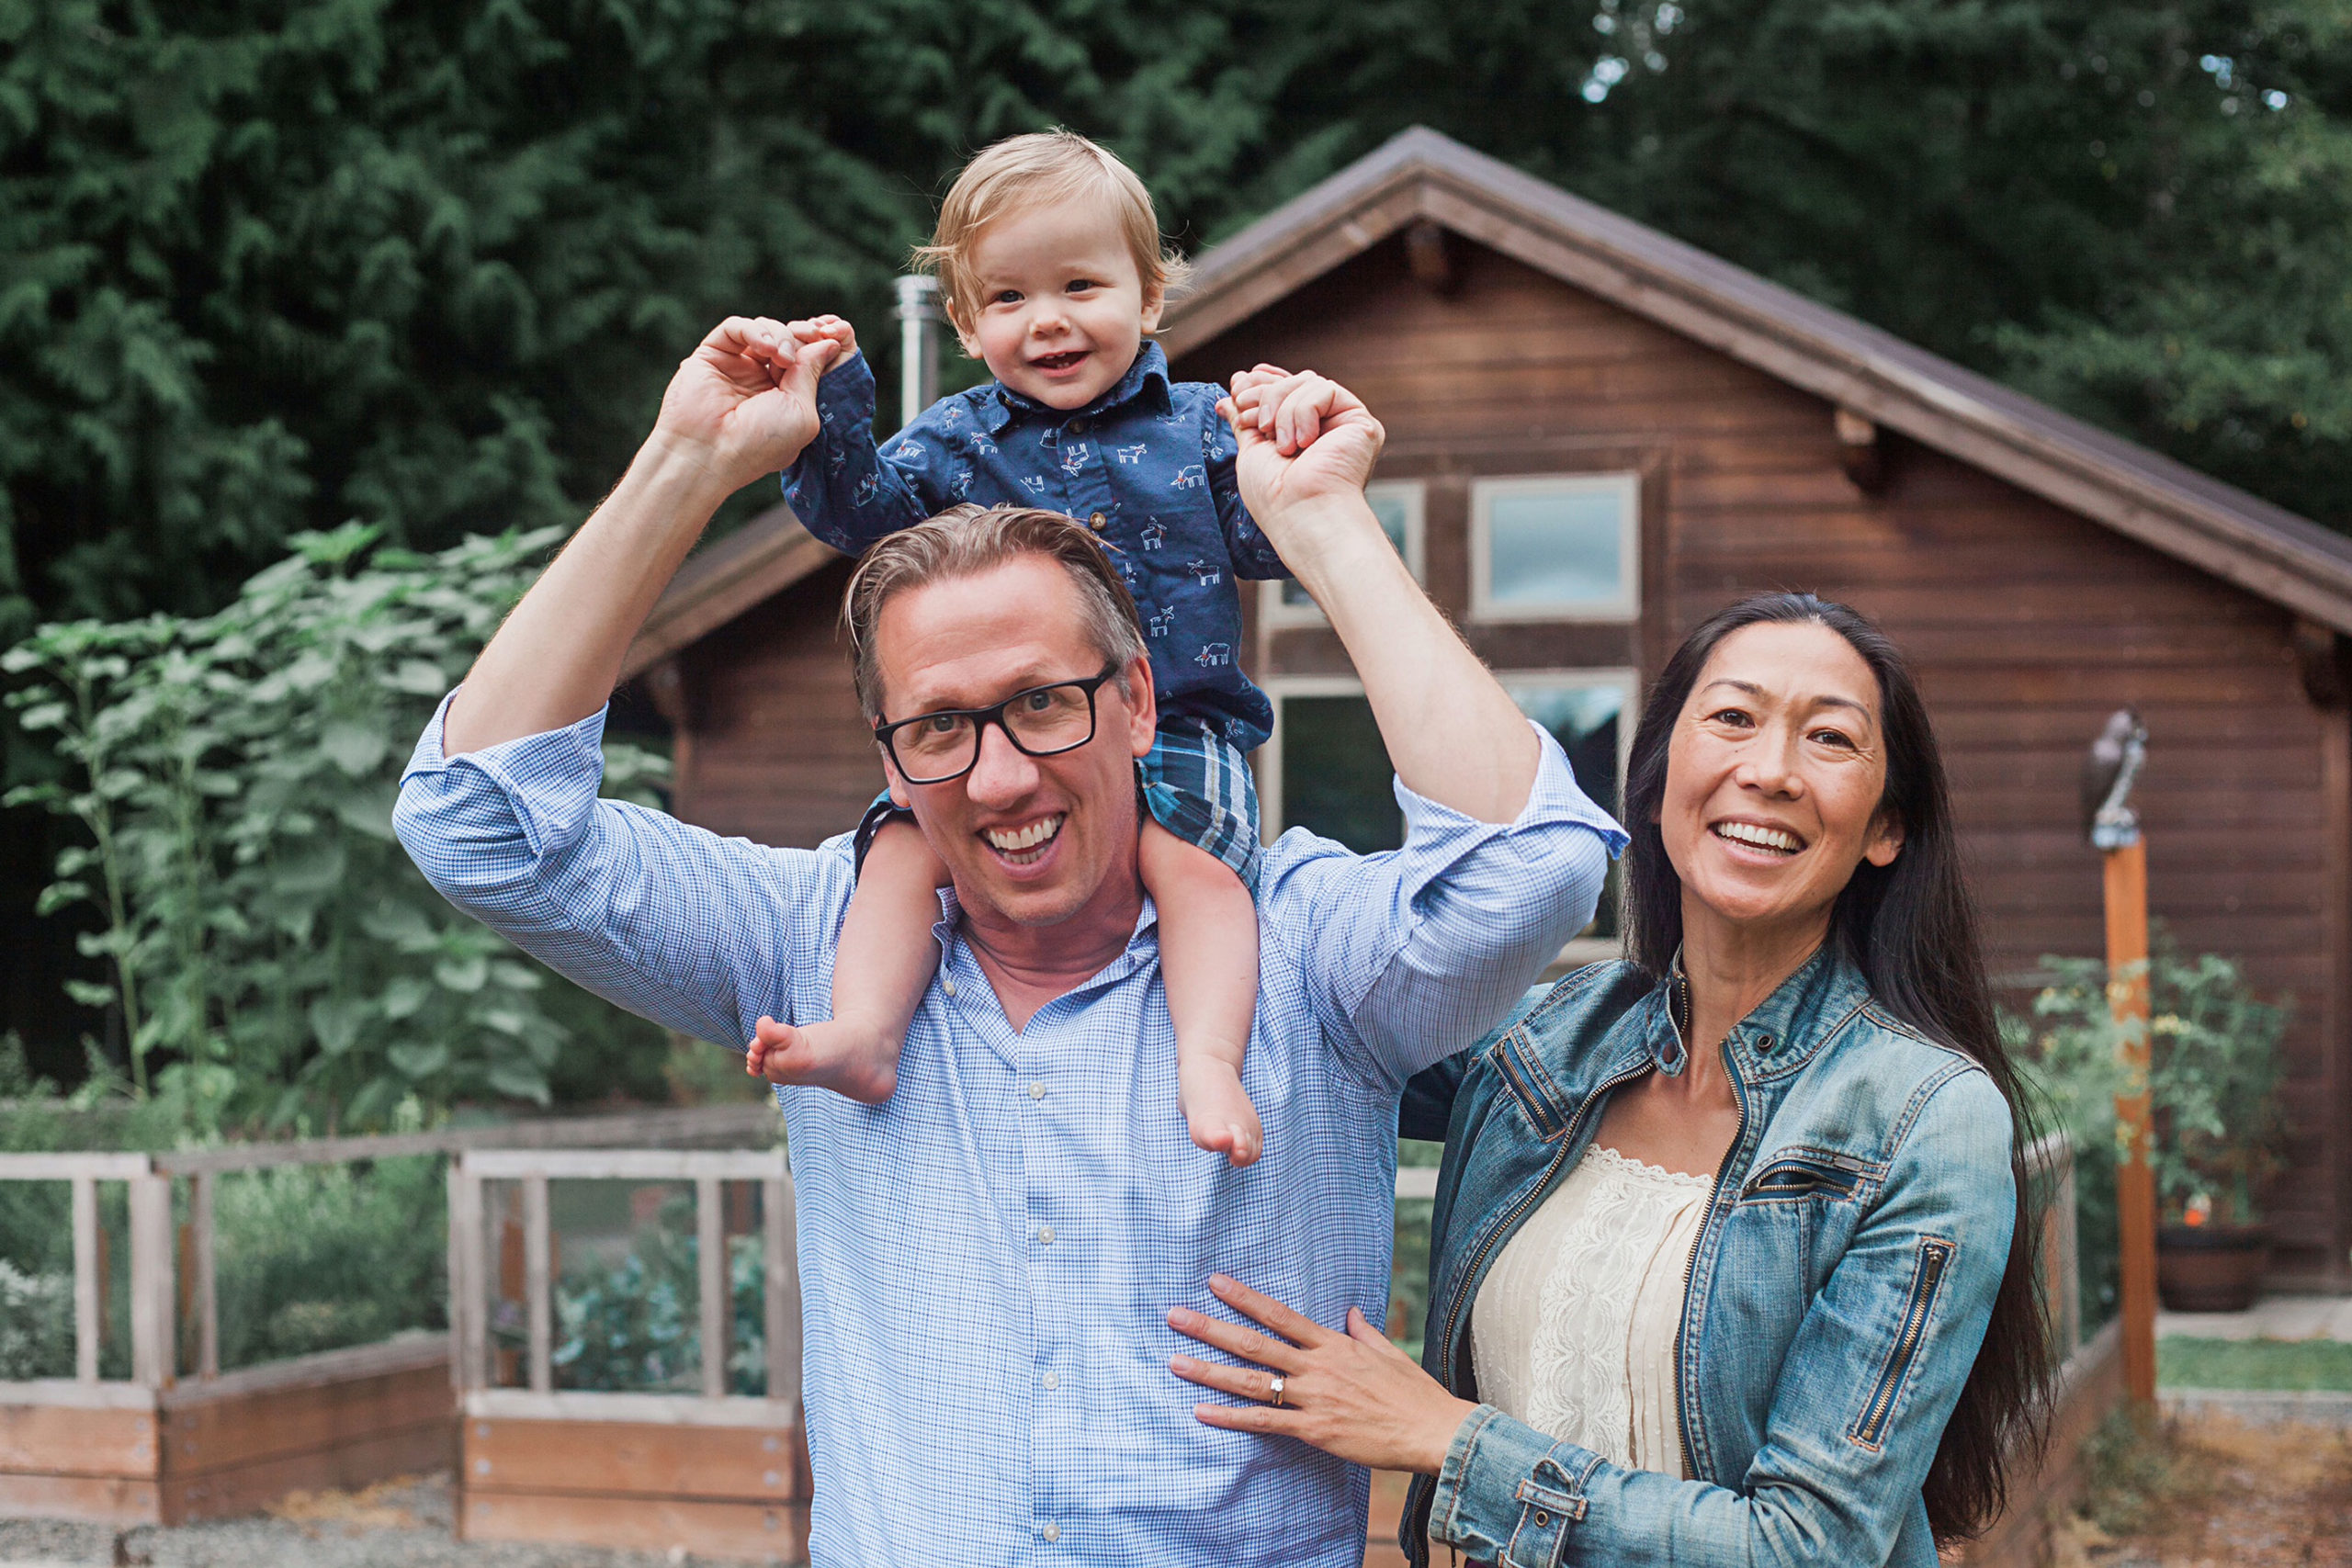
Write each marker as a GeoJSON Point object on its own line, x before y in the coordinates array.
{"type": "Point", "coordinates": [1004, 774]}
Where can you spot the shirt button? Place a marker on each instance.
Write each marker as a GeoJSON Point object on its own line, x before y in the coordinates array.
{"type": "Point", "coordinates": [1045, 1235]}
{"type": "Point", "coordinates": [1095, 521]}
{"type": "Point", "coordinates": [1052, 1533]}
{"type": "Point", "coordinates": [1076, 427]}
{"type": "Point", "coordinates": [1052, 1382]}
{"type": "Point", "coordinates": [947, 986]}
{"type": "Point", "coordinates": [1036, 1092]}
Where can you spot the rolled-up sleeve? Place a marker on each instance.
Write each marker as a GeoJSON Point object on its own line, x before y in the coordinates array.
{"type": "Point", "coordinates": [1413, 953]}
{"type": "Point", "coordinates": [698, 933]}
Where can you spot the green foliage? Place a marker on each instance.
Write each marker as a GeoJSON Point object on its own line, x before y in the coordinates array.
{"type": "Point", "coordinates": [317, 1257]}
{"type": "Point", "coordinates": [36, 1324]}
{"type": "Point", "coordinates": [2213, 1076]}
{"type": "Point", "coordinates": [2296, 1364]}
{"type": "Point", "coordinates": [2136, 1468]}
{"type": "Point", "coordinates": [265, 936]}
{"type": "Point", "coordinates": [634, 1327]}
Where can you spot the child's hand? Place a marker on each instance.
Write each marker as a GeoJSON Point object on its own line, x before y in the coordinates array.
{"type": "Point", "coordinates": [824, 329]}
{"type": "Point", "coordinates": [1256, 408]}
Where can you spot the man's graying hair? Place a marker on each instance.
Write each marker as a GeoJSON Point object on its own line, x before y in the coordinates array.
{"type": "Point", "coordinates": [965, 541]}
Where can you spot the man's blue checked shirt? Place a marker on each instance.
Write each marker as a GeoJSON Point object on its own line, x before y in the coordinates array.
{"type": "Point", "coordinates": [987, 1259]}
{"type": "Point", "coordinates": [1148, 465]}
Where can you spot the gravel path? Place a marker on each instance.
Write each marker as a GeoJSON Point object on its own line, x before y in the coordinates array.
{"type": "Point", "coordinates": [2246, 1495]}
{"type": "Point", "coordinates": [395, 1524]}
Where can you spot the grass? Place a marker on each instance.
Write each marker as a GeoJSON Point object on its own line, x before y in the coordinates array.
{"type": "Point", "coordinates": [2296, 1364]}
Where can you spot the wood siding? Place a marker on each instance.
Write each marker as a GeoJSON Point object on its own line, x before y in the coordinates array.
{"type": "Point", "coordinates": [777, 751]}
{"type": "Point", "coordinates": [2027, 624]}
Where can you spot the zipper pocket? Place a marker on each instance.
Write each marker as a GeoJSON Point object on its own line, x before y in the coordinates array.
{"type": "Point", "coordinates": [1805, 1172]}
{"type": "Point", "coordinates": [1927, 1279]}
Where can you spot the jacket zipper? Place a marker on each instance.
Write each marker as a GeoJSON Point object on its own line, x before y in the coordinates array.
{"type": "Point", "coordinates": [1691, 1264]}
{"type": "Point", "coordinates": [1453, 1313]}
{"type": "Point", "coordinates": [1933, 1256]}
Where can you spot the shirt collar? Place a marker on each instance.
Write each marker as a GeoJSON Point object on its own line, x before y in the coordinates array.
{"type": "Point", "coordinates": [1145, 379]}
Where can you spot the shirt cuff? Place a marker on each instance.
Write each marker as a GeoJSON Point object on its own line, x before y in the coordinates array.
{"type": "Point", "coordinates": [845, 392]}
{"type": "Point", "coordinates": [1554, 799]}
{"type": "Point", "coordinates": [549, 780]}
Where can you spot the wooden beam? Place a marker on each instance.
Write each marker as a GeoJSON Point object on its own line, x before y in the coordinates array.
{"type": "Point", "coordinates": [539, 1305]}
{"type": "Point", "coordinates": [682, 1125]}
{"type": "Point", "coordinates": [2335, 1013]}
{"type": "Point", "coordinates": [629, 1164]}
{"type": "Point", "coordinates": [1429, 256]}
{"type": "Point", "coordinates": [154, 1354]}
{"type": "Point", "coordinates": [672, 1409]}
{"type": "Point", "coordinates": [710, 1254]}
{"type": "Point", "coordinates": [65, 1167]}
{"type": "Point", "coordinates": [86, 1305]}
{"type": "Point", "coordinates": [1860, 452]}
{"type": "Point", "coordinates": [207, 1285]}
{"type": "Point", "coordinates": [469, 1335]}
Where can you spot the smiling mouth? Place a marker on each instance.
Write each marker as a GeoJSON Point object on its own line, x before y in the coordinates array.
{"type": "Point", "coordinates": [1025, 846]}
{"type": "Point", "coordinates": [1775, 841]}
{"type": "Point", "coordinates": [1051, 362]}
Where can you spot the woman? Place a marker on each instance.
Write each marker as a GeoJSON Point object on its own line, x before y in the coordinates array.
{"type": "Point", "coordinates": [1720, 1229]}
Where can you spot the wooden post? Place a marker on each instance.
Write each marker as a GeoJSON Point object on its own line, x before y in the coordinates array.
{"type": "Point", "coordinates": [710, 1247]}
{"type": "Point", "coordinates": [89, 1305]}
{"type": "Point", "coordinates": [208, 1281]}
{"type": "Point", "coordinates": [535, 1276]}
{"type": "Point", "coordinates": [468, 1333]}
{"type": "Point", "coordinates": [154, 1352]}
{"type": "Point", "coordinates": [2135, 1178]}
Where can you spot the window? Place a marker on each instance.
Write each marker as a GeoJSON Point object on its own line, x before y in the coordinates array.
{"type": "Point", "coordinates": [1559, 547]}
{"type": "Point", "coordinates": [1398, 505]}
{"type": "Point", "coordinates": [1326, 771]}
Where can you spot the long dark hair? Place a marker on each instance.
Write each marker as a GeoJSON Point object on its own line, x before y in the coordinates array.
{"type": "Point", "coordinates": [1910, 927]}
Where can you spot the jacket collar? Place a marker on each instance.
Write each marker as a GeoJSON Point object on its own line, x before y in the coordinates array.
{"type": "Point", "coordinates": [1145, 379]}
{"type": "Point", "coordinates": [1783, 1032]}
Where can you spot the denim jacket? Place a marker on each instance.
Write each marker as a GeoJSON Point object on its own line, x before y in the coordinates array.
{"type": "Point", "coordinates": [1837, 1293]}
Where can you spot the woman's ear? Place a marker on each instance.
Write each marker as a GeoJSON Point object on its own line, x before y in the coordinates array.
{"type": "Point", "coordinates": [1886, 840]}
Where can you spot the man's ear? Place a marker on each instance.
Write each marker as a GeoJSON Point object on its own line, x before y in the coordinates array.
{"type": "Point", "coordinates": [1886, 840]}
{"type": "Point", "coordinates": [1143, 705]}
{"type": "Point", "coordinates": [901, 796]}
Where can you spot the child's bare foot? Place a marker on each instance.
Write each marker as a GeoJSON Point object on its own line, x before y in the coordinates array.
{"type": "Point", "coordinates": [854, 1060]}
{"type": "Point", "coordinates": [1217, 1110]}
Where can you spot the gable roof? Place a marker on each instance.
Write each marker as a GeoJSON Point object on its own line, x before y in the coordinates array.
{"type": "Point", "coordinates": [1420, 173]}
{"type": "Point", "coordinates": [761, 559]}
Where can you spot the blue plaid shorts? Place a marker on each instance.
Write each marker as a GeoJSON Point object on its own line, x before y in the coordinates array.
{"type": "Point", "coordinates": [1195, 784]}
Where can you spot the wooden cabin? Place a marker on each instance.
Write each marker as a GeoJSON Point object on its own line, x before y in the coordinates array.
{"type": "Point", "coordinates": [1597, 435]}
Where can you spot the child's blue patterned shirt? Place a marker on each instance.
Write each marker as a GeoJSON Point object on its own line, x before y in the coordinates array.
{"type": "Point", "coordinates": [1148, 463]}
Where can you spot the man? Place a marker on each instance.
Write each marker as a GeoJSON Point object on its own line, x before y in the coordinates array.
{"type": "Point", "coordinates": [986, 1258]}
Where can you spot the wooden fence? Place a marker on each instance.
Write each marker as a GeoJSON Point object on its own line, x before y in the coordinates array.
{"type": "Point", "coordinates": [179, 1439]}
{"type": "Point", "coordinates": [717, 1473]}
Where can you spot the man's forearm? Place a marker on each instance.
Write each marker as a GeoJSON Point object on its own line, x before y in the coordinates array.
{"type": "Point", "coordinates": [1452, 733]}
{"type": "Point", "coordinates": [558, 657]}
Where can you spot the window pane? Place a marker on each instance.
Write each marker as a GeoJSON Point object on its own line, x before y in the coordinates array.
{"type": "Point", "coordinates": [1386, 505]}
{"type": "Point", "coordinates": [1584, 720]}
{"type": "Point", "coordinates": [1336, 774]}
{"type": "Point", "coordinates": [1561, 547]}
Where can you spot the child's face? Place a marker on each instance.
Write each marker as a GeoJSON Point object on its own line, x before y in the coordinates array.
{"type": "Point", "coordinates": [1061, 307]}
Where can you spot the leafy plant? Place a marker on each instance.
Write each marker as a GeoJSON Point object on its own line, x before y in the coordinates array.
{"type": "Point", "coordinates": [271, 950]}
{"type": "Point", "coordinates": [2213, 1074]}
{"type": "Point", "coordinates": [634, 1326]}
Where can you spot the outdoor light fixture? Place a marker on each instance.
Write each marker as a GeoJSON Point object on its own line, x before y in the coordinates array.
{"type": "Point", "coordinates": [2109, 773]}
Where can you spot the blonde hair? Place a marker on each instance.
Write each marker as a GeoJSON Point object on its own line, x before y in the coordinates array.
{"type": "Point", "coordinates": [1041, 169]}
{"type": "Point", "coordinates": [965, 541]}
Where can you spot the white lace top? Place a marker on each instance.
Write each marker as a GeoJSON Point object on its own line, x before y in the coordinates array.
{"type": "Point", "coordinates": [1573, 1331]}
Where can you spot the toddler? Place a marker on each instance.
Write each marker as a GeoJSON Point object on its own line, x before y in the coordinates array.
{"type": "Point", "coordinates": [1053, 273]}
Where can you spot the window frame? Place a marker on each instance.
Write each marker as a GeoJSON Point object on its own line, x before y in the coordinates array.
{"type": "Point", "coordinates": [1274, 615]}
{"type": "Point", "coordinates": [1625, 607]}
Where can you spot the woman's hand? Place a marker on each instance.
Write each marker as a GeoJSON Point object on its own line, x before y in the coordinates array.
{"type": "Point", "coordinates": [1355, 1395]}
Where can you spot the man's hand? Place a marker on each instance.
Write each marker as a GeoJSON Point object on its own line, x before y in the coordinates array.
{"type": "Point", "coordinates": [744, 402]}
{"type": "Point", "coordinates": [1305, 442]}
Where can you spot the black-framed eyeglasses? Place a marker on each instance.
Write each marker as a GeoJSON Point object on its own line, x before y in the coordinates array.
{"type": "Point", "coordinates": [1043, 721]}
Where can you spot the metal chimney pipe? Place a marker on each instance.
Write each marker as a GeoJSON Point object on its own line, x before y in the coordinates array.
{"type": "Point", "coordinates": [919, 317]}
